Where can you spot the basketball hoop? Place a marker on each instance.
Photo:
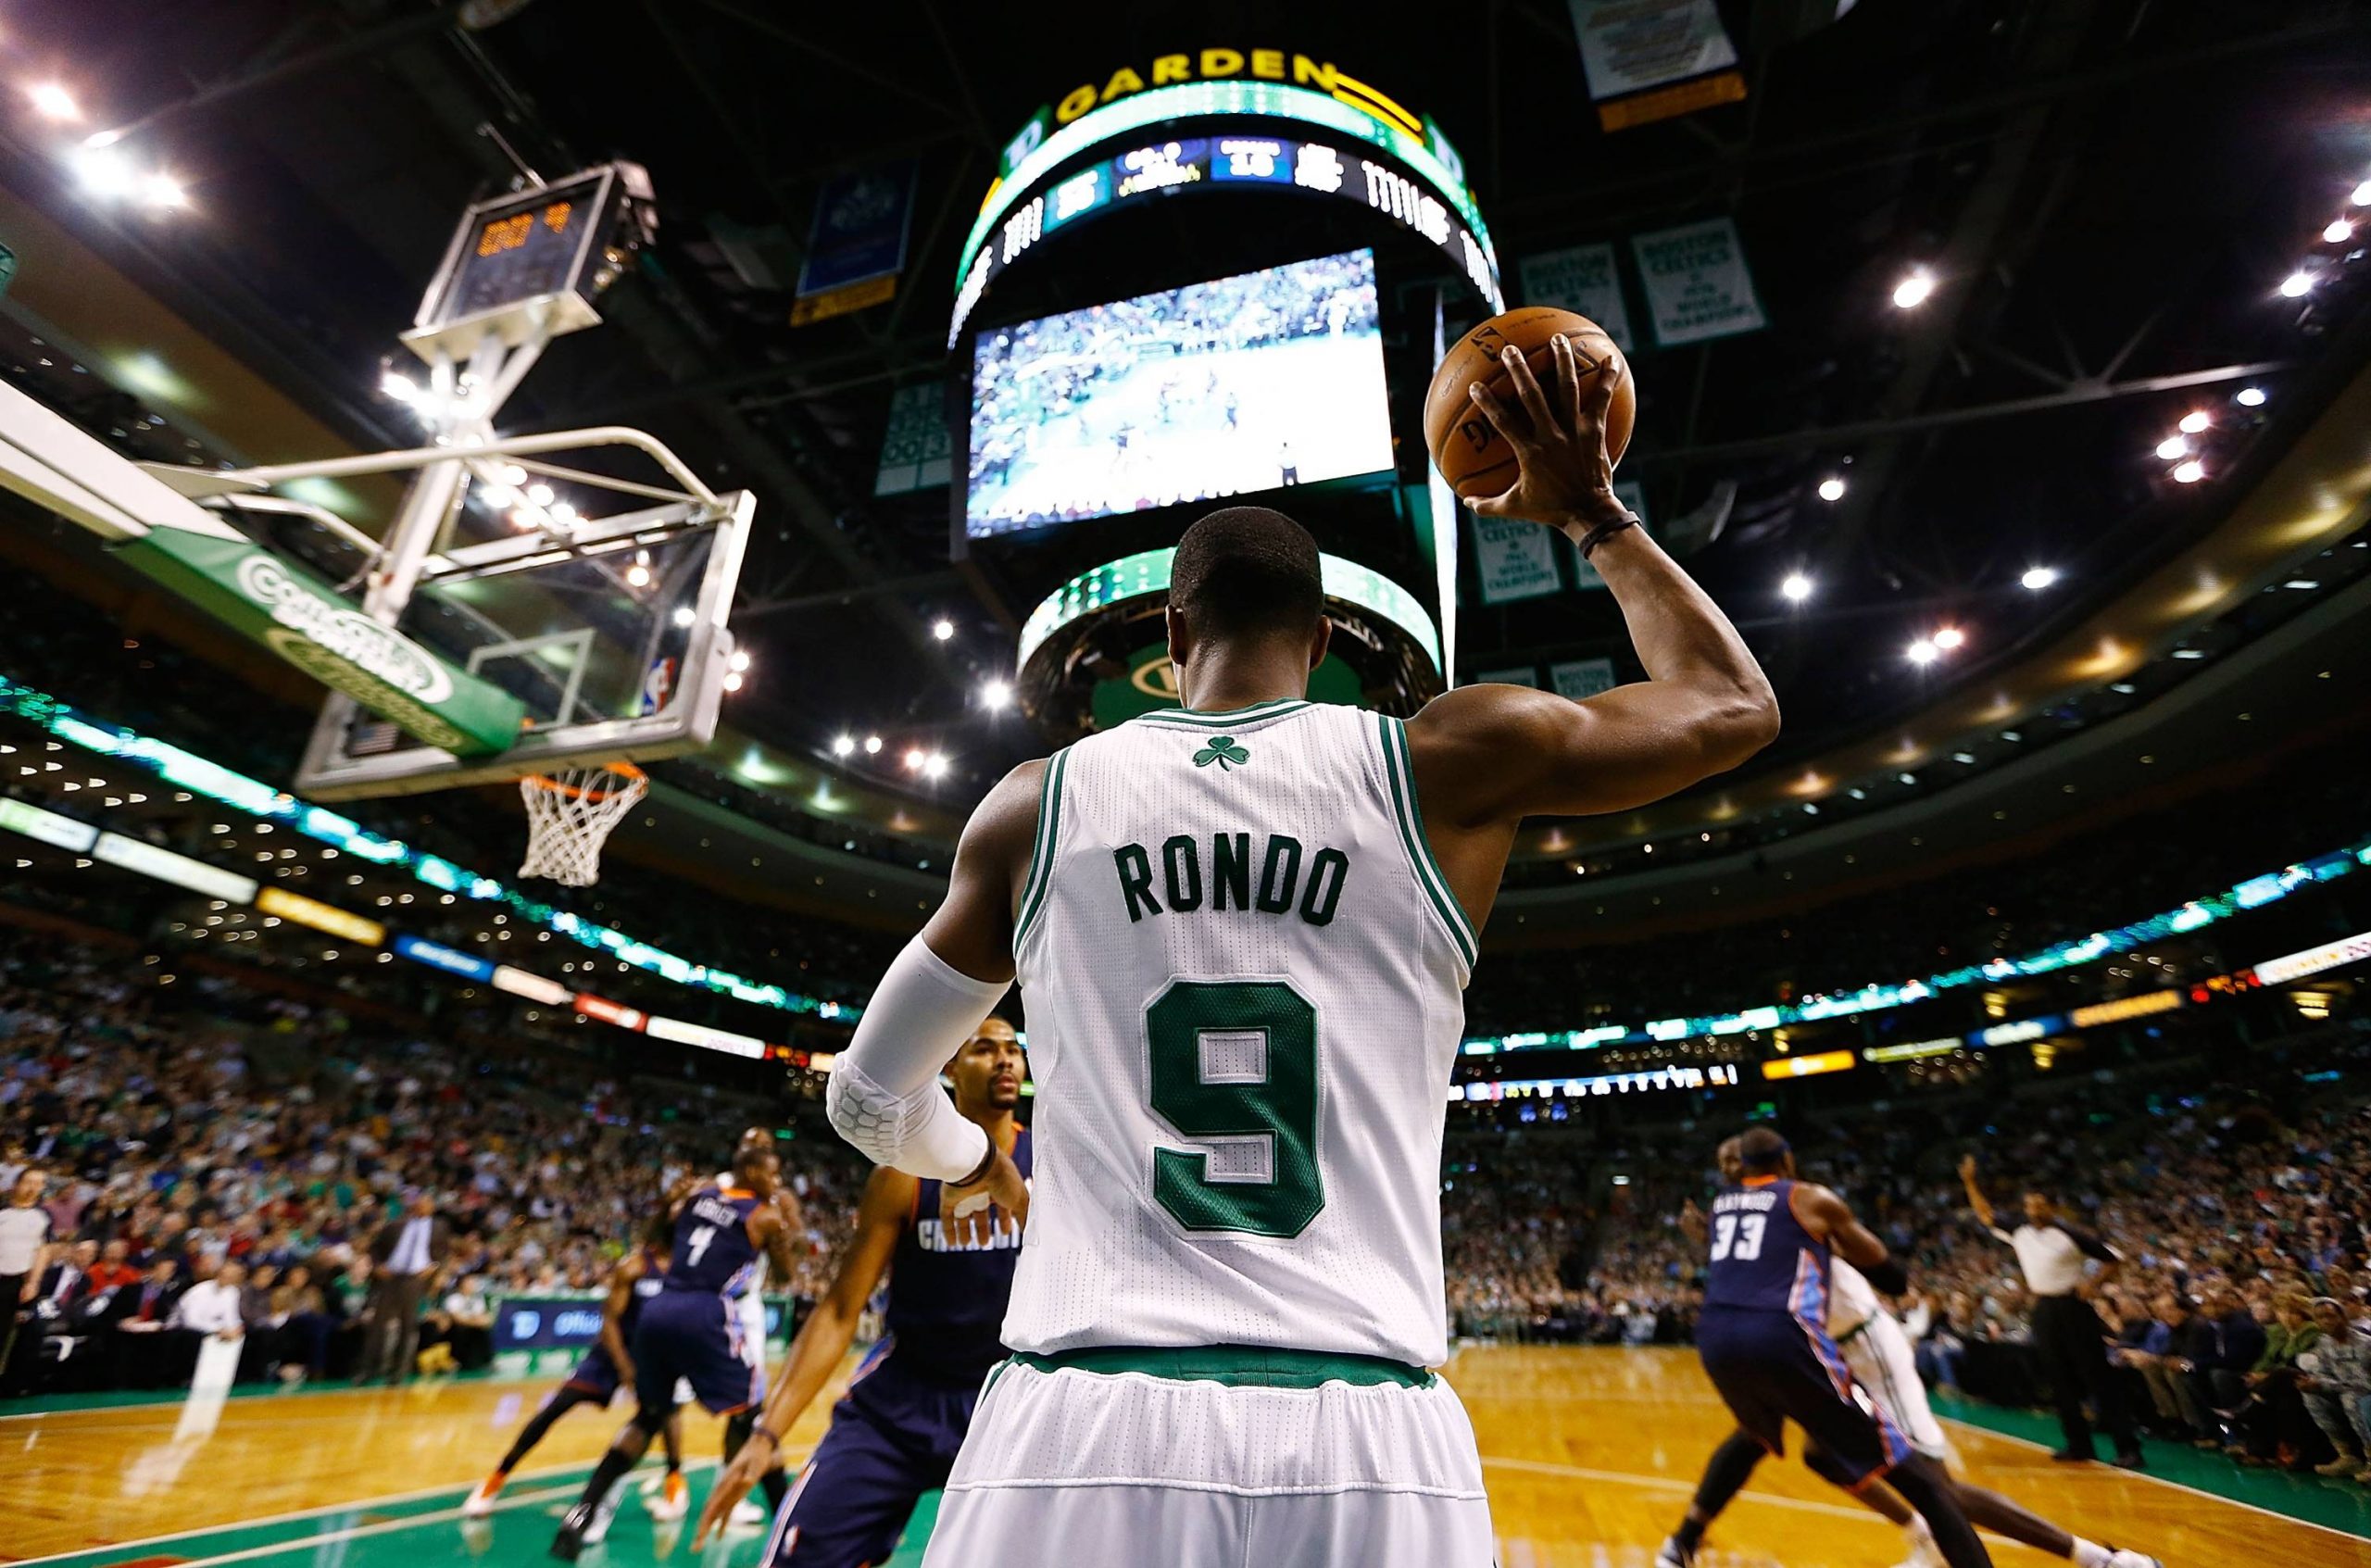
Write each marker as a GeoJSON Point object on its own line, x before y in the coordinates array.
{"type": "Point", "coordinates": [569, 813]}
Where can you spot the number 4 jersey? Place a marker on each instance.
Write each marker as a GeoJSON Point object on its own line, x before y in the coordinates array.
{"type": "Point", "coordinates": [1243, 975]}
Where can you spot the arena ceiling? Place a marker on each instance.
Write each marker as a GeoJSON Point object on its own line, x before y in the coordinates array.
{"type": "Point", "coordinates": [2107, 194]}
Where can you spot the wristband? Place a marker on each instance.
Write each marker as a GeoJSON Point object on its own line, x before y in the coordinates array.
{"type": "Point", "coordinates": [759, 1429]}
{"type": "Point", "coordinates": [1605, 530]}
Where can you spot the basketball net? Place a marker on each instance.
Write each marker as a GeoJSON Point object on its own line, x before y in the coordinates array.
{"type": "Point", "coordinates": [569, 813]}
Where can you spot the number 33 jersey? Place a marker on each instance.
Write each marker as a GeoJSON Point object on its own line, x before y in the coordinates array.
{"type": "Point", "coordinates": [1761, 1257]}
{"type": "Point", "coordinates": [1243, 978]}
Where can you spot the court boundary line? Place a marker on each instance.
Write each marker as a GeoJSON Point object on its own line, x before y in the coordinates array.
{"type": "Point", "coordinates": [1640, 1478]}
{"type": "Point", "coordinates": [2167, 1481]}
{"type": "Point", "coordinates": [551, 1473]}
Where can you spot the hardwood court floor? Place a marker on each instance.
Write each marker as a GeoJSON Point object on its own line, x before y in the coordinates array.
{"type": "Point", "coordinates": [1590, 1455]}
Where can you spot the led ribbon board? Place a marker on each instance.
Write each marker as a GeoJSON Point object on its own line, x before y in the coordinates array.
{"type": "Point", "coordinates": [1147, 572]}
{"type": "Point", "coordinates": [1340, 149]}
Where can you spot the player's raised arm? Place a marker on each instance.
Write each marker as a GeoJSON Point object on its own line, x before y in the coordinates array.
{"type": "Point", "coordinates": [1976, 1199]}
{"type": "Point", "coordinates": [1489, 755]}
{"type": "Point", "coordinates": [821, 1340]}
{"type": "Point", "coordinates": [884, 1095]}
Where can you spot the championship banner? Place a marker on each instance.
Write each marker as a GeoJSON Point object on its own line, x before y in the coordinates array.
{"type": "Point", "coordinates": [1654, 59]}
{"type": "Point", "coordinates": [1578, 677]}
{"type": "Point", "coordinates": [304, 620]}
{"type": "Point", "coordinates": [1696, 283]}
{"type": "Point", "coordinates": [1582, 279]}
{"type": "Point", "coordinates": [915, 454]}
{"type": "Point", "coordinates": [856, 246]}
{"type": "Point", "coordinates": [1514, 560]}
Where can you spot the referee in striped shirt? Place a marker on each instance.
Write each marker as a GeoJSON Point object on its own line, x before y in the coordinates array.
{"type": "Point", "coordinates": [2068, 1336]}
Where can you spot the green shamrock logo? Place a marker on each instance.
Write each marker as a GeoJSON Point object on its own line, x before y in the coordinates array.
{"type": "Point", "coordinates": [1223, 751]}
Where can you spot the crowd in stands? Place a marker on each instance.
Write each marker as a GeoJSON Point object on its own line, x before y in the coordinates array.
{"type": "Point", "coordinates": [2240, 1312]}
{"type": "Point", "coordinates": [211, 1159]}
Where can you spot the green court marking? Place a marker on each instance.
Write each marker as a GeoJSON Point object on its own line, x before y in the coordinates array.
{"type": "Point", "coordinates": [410, 1531]}
{"type": "Point", "coordinates": [2344, 1506]}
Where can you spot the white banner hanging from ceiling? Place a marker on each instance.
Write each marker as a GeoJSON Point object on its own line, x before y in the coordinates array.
{"type": "Point", "coordinates": [1514, 560]}
{"type": "Point", "coordinates": [1582, 279]}
{"type": "Point", "coordinates": [1696, 283]}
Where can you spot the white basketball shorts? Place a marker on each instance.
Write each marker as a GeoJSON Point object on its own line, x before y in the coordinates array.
{"type": "Point", "coordinates": [1178, 1459]}
{"type": "Point", "coordinates": [1884, 1363]}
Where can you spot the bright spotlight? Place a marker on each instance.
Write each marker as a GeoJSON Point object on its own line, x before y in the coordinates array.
{"type": "Point", "coordinates": [739, 661]}
{"type": "Point", "coordinates": [524, 518]}
{"type": "Point", "coordinates": [2362, 193]}
{"type": "Point", "coordinates": [638, 576]}
{"type": "Point", "coordinates": [541, 494]}
{"type": "Point", "coordinates": [500, 496]}
{"type": "Point", "coordinates": [2248, 397]}
{"type": "Point", "coordinates": [1924, 651]}
{"type": "Point", "coordinates": [105, 171]}
{"type": "Point", "coordinates": [1797, 588]}
{"type": "Point", "coordinates": [934, 766]}
{"type": "Point", "coordinates": [732, 681]}
{"type": "Point", "coordinates": [52, 101]}
{"type": "Point", "coordinates": [1948, 638]}
{"type": "Point", "coordinates": [1915, 290]}
{"type": "Point", "coordinates": [2295, 284]}
{"type": "Point", "coordinates": [842, 746]}
{"type": "Point", "coordinates": [995, 697]}
{"type": "Point", "coordinates": [943, 628]}
{"type": "Point", "coordinates": [2190, 472]}
{"type": "Point", "coordinates": [163, 190]}
{"type": "Point", "coordinates": [2038, 577]}
{"type": "Point", "coordinates": [2174, 446]}
{"type": "Point", "coordinates": [563, 513]}
{"type": "Point", "coordinates": [2339, 232]}
{"type": "Point", "coordinates": [915, 758]}
{"type": "Point", "coordinates": [402, 388]}
{"type": "Point", "coordinates": [872, 745]}
{"type": "Point", "coordinates": [2194, 422]}
{"type": "Point", "coordinates": [1831, 489]}
{"type": "Point", "coordinates": [511, 474]}
{"type": "Point", "coordinates": [685, 615]}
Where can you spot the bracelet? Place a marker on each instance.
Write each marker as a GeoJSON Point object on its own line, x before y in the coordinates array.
{"type": "Point", "coordinates": [759, 1429]}
{"type": "Point", "coordinates": [1605, 530]}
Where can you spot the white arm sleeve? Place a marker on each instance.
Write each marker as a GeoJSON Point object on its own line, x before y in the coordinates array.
{"type": "Point", "coordinates": [883, 1095]}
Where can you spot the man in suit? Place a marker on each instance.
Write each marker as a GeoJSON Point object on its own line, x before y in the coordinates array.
{"type": "Point", "coordinates": [141, 1313]}
{"type": "Point", "coordinates": [409, 1253]}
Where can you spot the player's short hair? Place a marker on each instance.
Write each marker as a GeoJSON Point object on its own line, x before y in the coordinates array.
{"type": "Point", "coordinates": [1247, 572]}
{"type": "Point", "coordinates": [751, 1155]}
{"type": "Point", "coordinates": [1762, 1150]}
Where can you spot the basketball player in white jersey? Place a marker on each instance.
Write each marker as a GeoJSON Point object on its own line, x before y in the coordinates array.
{"type": "Point", "coordinates": [1243, 928]}
{"type": "Point", "coordinates": [1877, 1350]}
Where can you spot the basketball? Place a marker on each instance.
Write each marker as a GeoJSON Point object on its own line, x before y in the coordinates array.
{"type": "Point", "coordinates": [1470, 454]}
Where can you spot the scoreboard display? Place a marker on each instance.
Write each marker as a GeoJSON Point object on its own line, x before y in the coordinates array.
{"type": "Point", "coordinates": [533, 259]}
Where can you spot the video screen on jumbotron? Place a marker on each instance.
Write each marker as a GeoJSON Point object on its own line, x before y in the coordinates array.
{"type": "Point", "coordinates": [1238, 384]}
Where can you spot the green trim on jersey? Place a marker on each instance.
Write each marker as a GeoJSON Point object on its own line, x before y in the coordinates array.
{"type": "Point", "coordinates": [1223, 719]}
{"type": "Point", "coordinates": [1401, 771]}
{"type": "Point", "coordinates": [1041, 855]}
{"type": "Point", "coordinates": [1237, 1366]}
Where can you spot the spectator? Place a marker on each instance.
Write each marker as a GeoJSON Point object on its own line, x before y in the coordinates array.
{"type": "Point", "coordinates": [207, 1310]}
{"type": "Point", "coordinates": [24, 1243]}
{"type": "Point", "coordinates": [2335, 1381]}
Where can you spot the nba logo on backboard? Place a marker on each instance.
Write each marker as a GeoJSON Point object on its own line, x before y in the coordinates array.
{"type": "Point", "coordinates": [657, 686]}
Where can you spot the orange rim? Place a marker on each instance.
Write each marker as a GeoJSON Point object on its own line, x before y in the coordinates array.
{"type": "Point", "coordinates": [580, 792]}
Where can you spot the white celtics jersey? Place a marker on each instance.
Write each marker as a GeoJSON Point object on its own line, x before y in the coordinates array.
{"type": "Point", "coordinates": [1242, 973]}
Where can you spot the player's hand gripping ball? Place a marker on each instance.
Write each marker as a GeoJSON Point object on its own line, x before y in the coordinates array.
{"type": "Point", "coordinates": [1472, 456]}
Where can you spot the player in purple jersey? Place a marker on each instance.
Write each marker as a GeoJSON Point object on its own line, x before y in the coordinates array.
{"type": "Point", "coordinates": [894, 1435]}
{"type": "Point", "coordinates": [1739, 1453]}
{"type": "Point", "coordinates": [1763, 1338]}
{"type": "Point", "coordinates": [690, 1330]}
{"type": "Point", "coordinates": [606, 1368]}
